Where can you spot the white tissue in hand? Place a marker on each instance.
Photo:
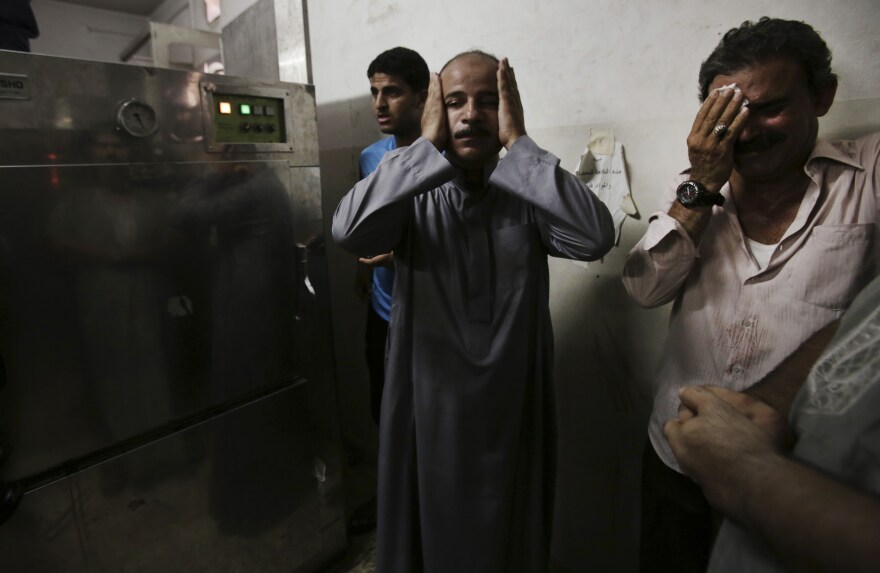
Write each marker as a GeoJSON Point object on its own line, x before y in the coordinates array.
{"type": "Point", "coordinates": [735, 88]}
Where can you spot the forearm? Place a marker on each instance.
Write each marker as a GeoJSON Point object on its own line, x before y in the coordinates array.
{"type": "Point", "coordinates": [693, 220]}
{"type": "Point", "coordinates": [573, 222]}
{"type": "Point", "coordinates": [657, 267]}
{"type": "Point", "coordinates": [779, 388]}
{"type": "Point", "coordinates": [370, 218]}
{"type": "Point", "coordinates": [810, 521]}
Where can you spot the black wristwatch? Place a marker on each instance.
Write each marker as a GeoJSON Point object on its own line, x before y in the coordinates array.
{"type": "Point", "coordinates": [693, 194]}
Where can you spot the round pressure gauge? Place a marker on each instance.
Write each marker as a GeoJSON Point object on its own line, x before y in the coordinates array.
{"type": "Point", "coordinates": [137, 118]}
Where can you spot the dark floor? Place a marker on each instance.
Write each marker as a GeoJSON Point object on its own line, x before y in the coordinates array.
{"type": "Point", "coordinates": [360, 480]}
{"type": "Point", "coordinates": [360, 556]}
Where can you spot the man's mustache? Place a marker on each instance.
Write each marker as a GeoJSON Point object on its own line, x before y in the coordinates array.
{"type": "Point", "coordinates": [759, 143]}
{"type": "Point", "coordinates": [471, 131]}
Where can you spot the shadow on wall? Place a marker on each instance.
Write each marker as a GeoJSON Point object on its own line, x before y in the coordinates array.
{"type": "Point", "coordinates": [344, 128]}
{"type": "Point", "coordinates": [838, 123]}
{"type": "Point", "coordinates": [605, 355]}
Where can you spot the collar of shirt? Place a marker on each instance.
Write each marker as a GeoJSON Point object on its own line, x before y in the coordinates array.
{"type": "Point", "coordinates": [488, 169]}
{"type": "Point", "coordinates": [834, 152]}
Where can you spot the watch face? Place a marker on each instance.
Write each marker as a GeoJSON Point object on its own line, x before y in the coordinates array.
{"type": "Point", "coordinates": [688, 193]}
{"type": "Point", "coordinates": [693, 194]}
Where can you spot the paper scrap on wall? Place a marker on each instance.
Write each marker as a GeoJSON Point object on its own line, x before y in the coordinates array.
{"type": "Point", "coordinates": [603, 169]}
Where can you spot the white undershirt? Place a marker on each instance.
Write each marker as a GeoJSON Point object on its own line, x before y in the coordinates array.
{"type": "Point", "coordinates": [762, 252]}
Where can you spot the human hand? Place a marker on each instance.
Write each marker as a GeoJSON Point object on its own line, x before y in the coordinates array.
{"type": "Point", "coordinates": [756, 410]}
{"type": "Point", "coordinates": [760, 413]}
{"type": "Point", "coordinates": [710, 152]}
{"type": "Point", "coordinates": [511, 123]}
{"type": "Point", "coordinates": [384, 260]}
{"type": "Point", "coordinates": [363, 283]}
{"type": "Point", "coordinates": [434, 115]}
{"type": "Point", "coordinates": [713, 441]}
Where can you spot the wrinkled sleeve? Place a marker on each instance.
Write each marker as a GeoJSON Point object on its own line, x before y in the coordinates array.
{"type": "Point", "coordinates": [572, 221]}
{"type": "Point", "coordinates": [869, 156]}
{"type": "Point", "coordinates": [371, 218]}
{"type": "Point", "coordinates": [656, 268]}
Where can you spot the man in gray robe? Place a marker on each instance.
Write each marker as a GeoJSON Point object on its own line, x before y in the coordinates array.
{"type": "Point", "coordinates": [467, 438]}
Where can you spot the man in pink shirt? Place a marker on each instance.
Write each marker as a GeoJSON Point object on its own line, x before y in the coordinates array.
{"type": "Point", "coordinates": [765, 240]}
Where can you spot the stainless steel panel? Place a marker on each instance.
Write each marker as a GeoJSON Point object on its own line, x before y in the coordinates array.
{"type": "Point", "coordinates": [151, 288]}
{"type": "Point", "coordinates": [269, 41]}
{"type": "Point", "coordinates": [252, 490]}
{"type": "Point", "coordinates": [250, 46]}
{"type": "Point", "coordinates": [143, 294]}
{"type": "Point", "coordinates": [294, 47]}
{"type": "Point", "coordinates": [69, 99]}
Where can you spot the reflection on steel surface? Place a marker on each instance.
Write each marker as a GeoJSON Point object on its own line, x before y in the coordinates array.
{"type": "Point", "coordinates": [164, 326]}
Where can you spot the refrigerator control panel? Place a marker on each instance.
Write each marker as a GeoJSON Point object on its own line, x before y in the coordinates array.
{"type": "Point", "coordinates": [246, 118]}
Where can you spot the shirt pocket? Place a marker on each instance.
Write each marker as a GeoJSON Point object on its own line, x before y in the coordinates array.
{"type": "Point", "coordinates": [834, 265]}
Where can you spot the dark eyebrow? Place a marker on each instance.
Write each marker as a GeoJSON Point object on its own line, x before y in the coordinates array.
{"type": "Point", "coordinates": [766, 104]}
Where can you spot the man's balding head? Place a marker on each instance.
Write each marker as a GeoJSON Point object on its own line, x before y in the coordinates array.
{"type": "Point", "coordinates": [471, 53]}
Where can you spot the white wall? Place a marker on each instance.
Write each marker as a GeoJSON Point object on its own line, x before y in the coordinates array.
{"type": "Point", "coordinates": [631, 66]}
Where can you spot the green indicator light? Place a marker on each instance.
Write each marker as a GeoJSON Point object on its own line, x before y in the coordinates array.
{"type": "Point", "coordinates": [245, 109]}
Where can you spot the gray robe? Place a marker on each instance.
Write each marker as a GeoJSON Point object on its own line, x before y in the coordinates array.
{"type": "Point", "coordinates": [467, 439]}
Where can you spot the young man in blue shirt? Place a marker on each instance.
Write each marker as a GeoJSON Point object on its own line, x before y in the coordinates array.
{"type": "Point", "coordinates": [399, 85]}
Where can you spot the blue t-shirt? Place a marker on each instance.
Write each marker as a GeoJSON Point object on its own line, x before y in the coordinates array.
{"type": "Point", "coordinates": [383, 277]}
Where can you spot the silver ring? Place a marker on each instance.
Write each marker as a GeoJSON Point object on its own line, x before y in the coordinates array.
{"type": "Point", "coordinates": [720, 130]}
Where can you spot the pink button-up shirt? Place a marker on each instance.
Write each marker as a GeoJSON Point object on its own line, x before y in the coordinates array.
{"type": "Point", "coordinates": [732, 322]}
